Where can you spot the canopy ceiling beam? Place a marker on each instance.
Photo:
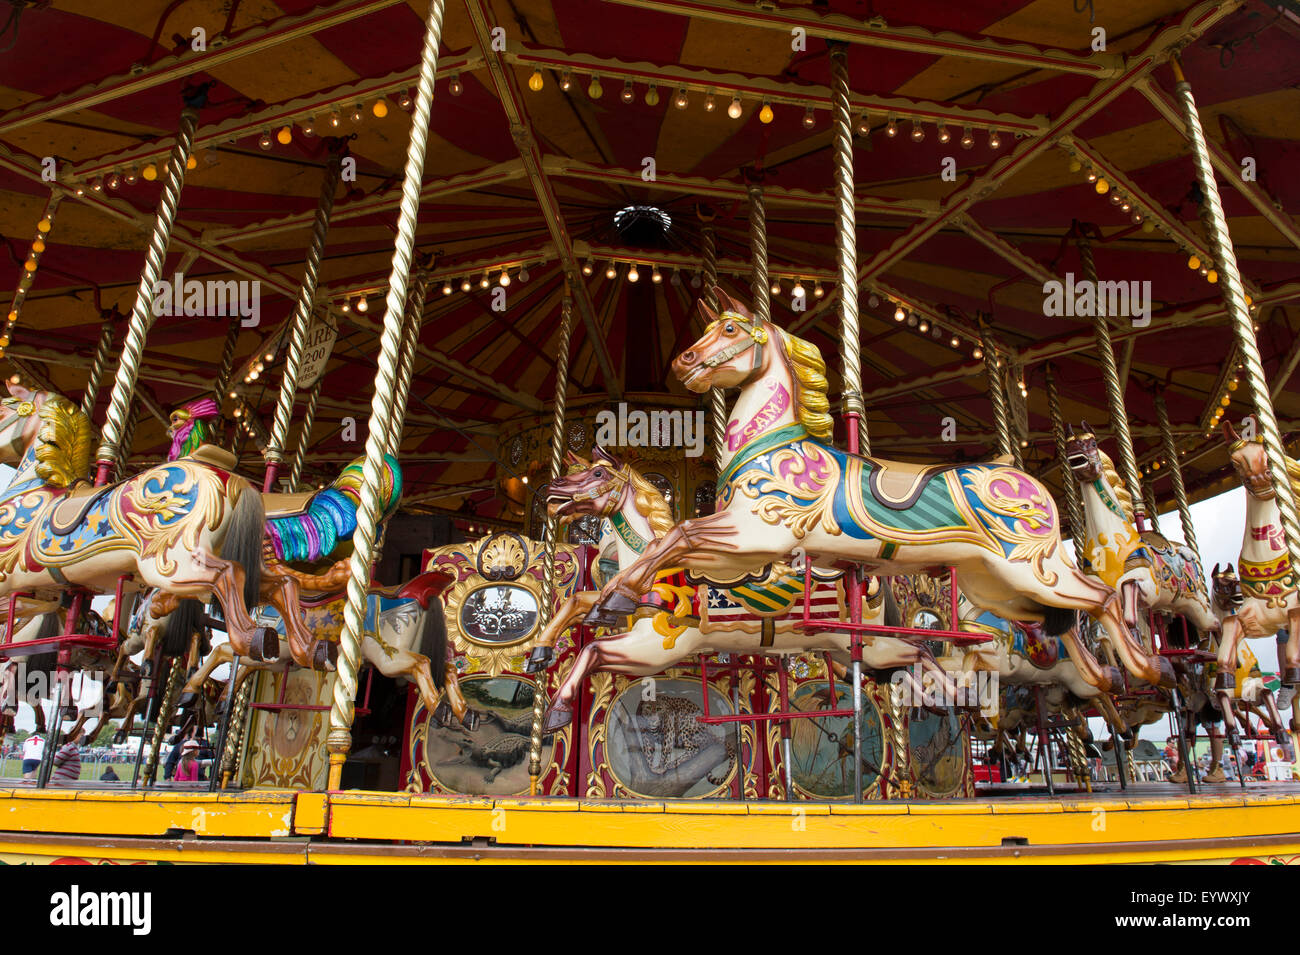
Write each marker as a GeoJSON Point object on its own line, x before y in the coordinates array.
{"type": "Point", "coordinates": [507, 90]}
{"type": "Point", "coordinates": [774, 91]}
{"type": "Point", "coordinates": [1029, 267]}
{"type": "Point", "coordinates": [1225, 165]}
{"type": "Point", "coordinates": [270, 117]}
{"type": "Point", "coordinates": [876, 32]}
{"type": "Point", "coordinates": [185, 65]}
{"type": "Point", "coordinates": [1150, 54]}
{"type": "Point", "coordinates": [1045, 351]}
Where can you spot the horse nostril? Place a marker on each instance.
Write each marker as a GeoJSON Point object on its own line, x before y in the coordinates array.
{"type": "Point", "coordinates": [687, 357]}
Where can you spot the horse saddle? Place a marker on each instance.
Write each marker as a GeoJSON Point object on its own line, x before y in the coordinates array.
{"type": "Point", "coordinates": [214, 457]}
{"type": "Point", "coordinates": [70, 512]}
{"type": "Point", "coordinates": [898, 484]}
{"type": "Point", "coordinates": [286, 505]}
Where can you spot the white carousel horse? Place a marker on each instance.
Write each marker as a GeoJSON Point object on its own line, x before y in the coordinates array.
{"type": "Point", "coordinates": [405, 635]}
{"type": "Point", "coordinates": [669, 629]}
{"type": "Point", "coordinates": [1270, 597]}
{"type": "Point", "coordinates": [786, 487]}
{"type": "Point", "coordinates": [187, 527]}
{"type": "Point", "coordinates": [1145, 568]}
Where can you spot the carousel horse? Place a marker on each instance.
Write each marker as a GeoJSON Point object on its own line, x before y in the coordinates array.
{"type": "Point", "coordinates": [1145, 568]}
{"type": "Point", "coordinates": [398, 621]}
{"type": "Point", "coordinates": [1270, 598]}
{"type": "Point", "coordinates": [186, 527]}
{"type": "Point", "coordinates": [680, 618]}
{"type": "Point", "coordinates": [786, 487]}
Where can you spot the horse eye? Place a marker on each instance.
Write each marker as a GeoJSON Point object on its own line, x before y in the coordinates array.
{"type": "Point", "coordinates": [599, 472]}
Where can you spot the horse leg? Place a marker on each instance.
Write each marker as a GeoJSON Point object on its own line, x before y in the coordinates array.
{"type": "Point", "coordinates": [1225, 680]}
{"type": "Point", "coordinates": [1291, 672]}
{"type": "Point", "coordinates": [281, 591]}
{"type": "Point", "coordinates": [194, 685]}
{"type": "Point", "coordinates": [689, 543]}
{"type": "Point", "coordinates": [225, 579]}
{"type": "Point", "coordinates": [569, 613]}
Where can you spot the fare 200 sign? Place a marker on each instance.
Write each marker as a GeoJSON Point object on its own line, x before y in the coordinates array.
{"type": "Point", "coordinates": [316, 352]}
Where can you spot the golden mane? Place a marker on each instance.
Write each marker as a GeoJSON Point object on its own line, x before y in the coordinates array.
{"type": "Point", "coordinates": [651, 503]}
{"type": "Point", "coordinates": [1116, 485]}
{"type": "Point", "coordinates": [812, 408]}
{"type": "Point", "coordinates": [62, 443]}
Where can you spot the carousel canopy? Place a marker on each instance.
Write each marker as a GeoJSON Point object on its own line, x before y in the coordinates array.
{"type": "Point", "coordinates": [988, 136]}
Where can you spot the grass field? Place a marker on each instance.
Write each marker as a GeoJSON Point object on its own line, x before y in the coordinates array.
{"type": "Point", "coordinates": [12, 768]}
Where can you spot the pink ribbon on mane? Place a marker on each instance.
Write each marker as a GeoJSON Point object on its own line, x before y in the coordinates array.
{"type": "Point", "coordinates": [199, 409]}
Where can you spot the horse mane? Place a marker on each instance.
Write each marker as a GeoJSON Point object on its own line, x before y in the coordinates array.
{"type": "Point", "coordinates": [62, 442]}
{"type": "Point", "coordinates": [812, 407]}
{"type": "Point", "coordinates": [1116, 485]}
{"type": "Point", "coordinates": [650, 502]}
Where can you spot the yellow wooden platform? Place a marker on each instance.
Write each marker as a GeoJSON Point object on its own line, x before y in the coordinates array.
{"type": "Point", "coordinates": [351, 827]}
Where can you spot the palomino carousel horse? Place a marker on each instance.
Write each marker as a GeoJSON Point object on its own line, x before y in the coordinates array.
{"type": "Point", "coordinates": [187, 527]}
{"type": "Point", "coordinates": [1145, 568]}
{"type": "Point", "coordinates": [680, 619]}
{"type": "Point", "coordinates": [786, 487]}
{"type": "Point", "coordinates": [1270, 595]}
{"type": "Point", "coordinates": [398, 621]}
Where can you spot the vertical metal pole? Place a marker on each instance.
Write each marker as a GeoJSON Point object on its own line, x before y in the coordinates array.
{"type": "Point", "coordinates": [552, 532]}
{"type": "Point", "coordinates": [226, 368]}
{"type": "Point", "coordinates": [759, 285]}
{"type": "Point", "coordinates": [997, 391]}
{"type": "Point", "coordinates": [304, 434]}
{"type": "Point", "coordinates": [128, 441]}
{"type": "Point", "coordinates": [103, 349]}
{"type": "Point", "coordinates": [223, 731]}
{"type": "Point", "coordinates": [342, 709]}
{"type": "Point", "coordinates": [1073, 506]}
{"type": "Point", "coordinates": [142, 316]}
{"type": "Point", "coordinates": [1114, 391]}
{"type": "Point", "coordinates": [301, 319]}
{"type": "Point", "coordinates": [1044, 740]}
{"type": "Point", "coordinates": [1175, 469]}
{"type": "Point", "coordinates": [166, 710]}
{"type": "Point", "coordinates": [406, 361]}
{"type": "Point", "coordinates": [717, 398]}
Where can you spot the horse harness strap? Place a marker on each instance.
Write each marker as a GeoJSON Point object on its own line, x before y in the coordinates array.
{"type": "Point", "coordinates": [757, 339]}
{"type": "Point", "coordinates": [628, 534]}
{"type": "Point", "coordinates": [618, 479]}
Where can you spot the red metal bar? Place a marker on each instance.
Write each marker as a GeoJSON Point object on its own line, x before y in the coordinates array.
{"type": "Point", "coordinates": [959, 637]}
{"type": "Point", "coordinates": [9, 619]}
{"type": "Point", "coordinates": [769, 717]}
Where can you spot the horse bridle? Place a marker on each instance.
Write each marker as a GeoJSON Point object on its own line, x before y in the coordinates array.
{"type": "Point", "coordinates": [1260, 485]}
{"type": "Point", "coordinates": [618, 479]}
{"type": "Point", "coordinates": [757, 339]}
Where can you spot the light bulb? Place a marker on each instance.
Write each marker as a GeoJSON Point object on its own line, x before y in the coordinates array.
{"type": "Point", "coordinates": [536, 81]}
{"type": "Point", "coordinates": [954, 341]}
{"type": "Point", "coordinates": [977, 352]}
{"type": "Point", "coordinates": [628, 93]}
{"type": "Point", "coordinates": [1194, 262]}
{"type": "Point", "coordinates": [132, 177]}
{"type": "Point", "coordinates": [632, 274]}
{"type": "Point", "coordinates": [504, 279]}
{"type": "Point", "coordinates": [1212, 276]}
{"type": "Point", "coordinates": [96, 185]}
{"type": "Point", "coordinates": [346, 306]}
{"type": "Point", "coordinates": [465, 284]}
{"type": "Point", "coordinates": [446, 288]}
{"type": "Point", "coordinates": [1136, 218]}
{"type": "Point", "coordinates": [891, 130]}
{"type": "Point", "coordinates": [923, 327]}
{"type": "Point", "coordinates": [776, 286]}
{"type": "Point", "coordinates": [710, 103]}
{"type": "Point", "coordinates": [455, 87]}
{"type": "Point", "coordinates": [358, 114]}
{"type": "Point", "coordinates": [191, 161]}
{"type": "Point", "coordinates": [765, 115]}
{"type": "Point", "coordinates": [114, 180]}
{"type": "Point", "coordinates": [696, 281]}
{"type": "Point", "coordinates": [655, 276]}
{"type": "Point", "coordinates": [1075, 165]}
{"type": "Point", "coordinates": [652, 95]}
{"type": "Point", "coordinates": [967, 138]}
{"type": "Point", "coordinates": [1115, 199]}
{"type": "Point", "coordinates": [611, 270]}
{"type": "Point", "coordinates": [944, 135]}
{"type": "Point", "coordinates": [523, 273]}
{"type": "Point", "coordinates": [1102, 187]}
{"type": "Point", "coordinates": [681, 100]}
{"type": "Point", "coordinates": [918, 132]}
{"type": "Point", "coordinates": [676, 280]}
{"type": "Point", "coordinates": [335, 119]}
{"type": "Point", "coordinates": [1125, 205]}
{"type": "Point", "coordinates": [594, 89]}
{"type": "Point", "coordinates": [566, 81]}
{"type": "Point", "coordinates": [735, 109]}
{"type": "Point", "coordinates": [899, 314]}
{"type": "Point", "coordinates": [864, 125]}
{"type": "Point", "coordinates": [285, 136]}
{"type": "Point", "coordinates": [404, 99]}
{"type": "Point", "coordinates": [995, 141]}
{"type": "Point", "coordinates": [380, 108]}
{"type": "Point", "coordinates": [362, 304]}
{"type": "Point", "coordinates": [798, 290]}
{"type": "Point", "coordinates": [809, 118]}
{"type": "Point", "coordinates": [818, 291]}
{"type": "Point", "coordinates": [587, 267]}
{"type": "Point", "coordinates": [484, 282]}
{"type": "Point", "coordinates": [309, 126]}
{"type": "Point", "coordinates": [911, 320]}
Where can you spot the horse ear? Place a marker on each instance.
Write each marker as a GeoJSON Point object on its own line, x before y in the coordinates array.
{"type": "Point", "coordinates": [1229, 432]}
{"type": "Point", "coordinates": [17, 390]}
{"type": "Point", "coordinates": [1069, 429]}
{"type": "Point", "coordinates": [1087, 427]}
{"type": "Point", "coordinates": [709, 315]}
{"type": "Point", "coordinates": [570, 458]}
{"type": "Point", "coordinates": [729, 304]}
{"type": "Point", "coordinates": [609, 457]}
{"type": "Point", "coordinates": [1215, 572]}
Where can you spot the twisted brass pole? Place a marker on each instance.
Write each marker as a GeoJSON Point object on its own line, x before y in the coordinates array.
{"type": "Point", "coordinates": [1114, 390]}
{"type": "Point", "coordinates": [304, 435]}
{"type": "Point", "coordinates": [103, 349]}
{"type": "Point", "coordinates": [552, 533]}
{"type": "Point", "coordinates": [1153, 506]}
{"type": "Point", "coordinates": [166, 710]}
{"type": "Point", "coordinates": [128, 441]}
{"type": "Point", "coordinates": [997, 391]}
{"type": "Point", "coordinates": [758, 281]}
{"type": "Point", "coordinates": [236, 727]}
{"type": "Point", "coordinates": [342, 707]}
{"type": "Point", "coordinates": [1234, 296]}
{"type": "Point", "coordinates": [221, 384]}
{"type": "Point", "coordinates": [301, 319]}
{"type": "Point", "coordinates": [1175, 467]}
{"type": "Point", "coordinates": [406, 360]}
{"type": "Point", "coordinates": [142, 316]}
{"type": "Point", "coordinates": [717, 398]}
{"type": "Point", "coordinates": [846, 250]}
{"type": "Point", "coordinates": [1073, 505]}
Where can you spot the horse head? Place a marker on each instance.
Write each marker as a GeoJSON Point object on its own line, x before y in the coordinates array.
{"type": "Point", "coordinates": [19, 420]}
{"type": "Point", "coordinates": [1250, 462]}
{"type": "Point", "coordinates": [1082, 456]}
{"type": "Point", "coordinates": [729, 353]}
{"type": "Point", "coordinates": [594, 487]}
{"type": "Point", "coordinates": [1227, 589]}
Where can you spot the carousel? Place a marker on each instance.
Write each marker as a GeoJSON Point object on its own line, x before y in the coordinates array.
{"type": "Point", "coordinates": [649, 430]}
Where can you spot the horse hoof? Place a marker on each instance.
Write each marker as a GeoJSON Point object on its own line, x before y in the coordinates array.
{"type": "Point", "coordinates": [1168, 678]}
{"type": "Point", "coordinates": [1291, 676]}
{"type": "Point", "coordinates": [539, 660]}
{"type": "Point", "coordinates": [188, 699]}
{"type": "Point", "coordinates": [442, 715]}
{"type": "Point", "coordinates": [265, 644]}
{"type": "Point", "coordinates": [610, 611]}
{"type": "Point", "coordinates": [471, 720]}
{"type": "Point", "coordinates": [1114, 678]}
{"type": "Point", "coordinates": [1224, 680]}
{"type": "Point", "coordinates": [325, 656]}
{"type": "Point", "coordinates": [119, 737]}
{"type": "Point", "coordinates": [558, 716]}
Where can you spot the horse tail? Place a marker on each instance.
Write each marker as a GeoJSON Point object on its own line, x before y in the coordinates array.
{"type": "Point", "coordinates": [243, 541]}
{"type": "Point", "coordinates": [328, 520]}
{"type": "Point", "coordinates": [1057, 620]}
{"type": "Point", "coordinates": [433, 642]}
{"type": "Point", "coordinates": [179, 625]}
{"type": "Point", "coordinates": [45, 662]}
{"type": "Point", "coordinates": [893, 616]}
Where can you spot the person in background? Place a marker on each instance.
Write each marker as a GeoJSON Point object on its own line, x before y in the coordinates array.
{"type": "Point", "coordinates": [188, 770]}
{"type": "Point", "coordinates": [33, 750]}
{"type": "Point", "coordinates": [67, 762]}
{"type": "Point", "coordinates": [108, 776]}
